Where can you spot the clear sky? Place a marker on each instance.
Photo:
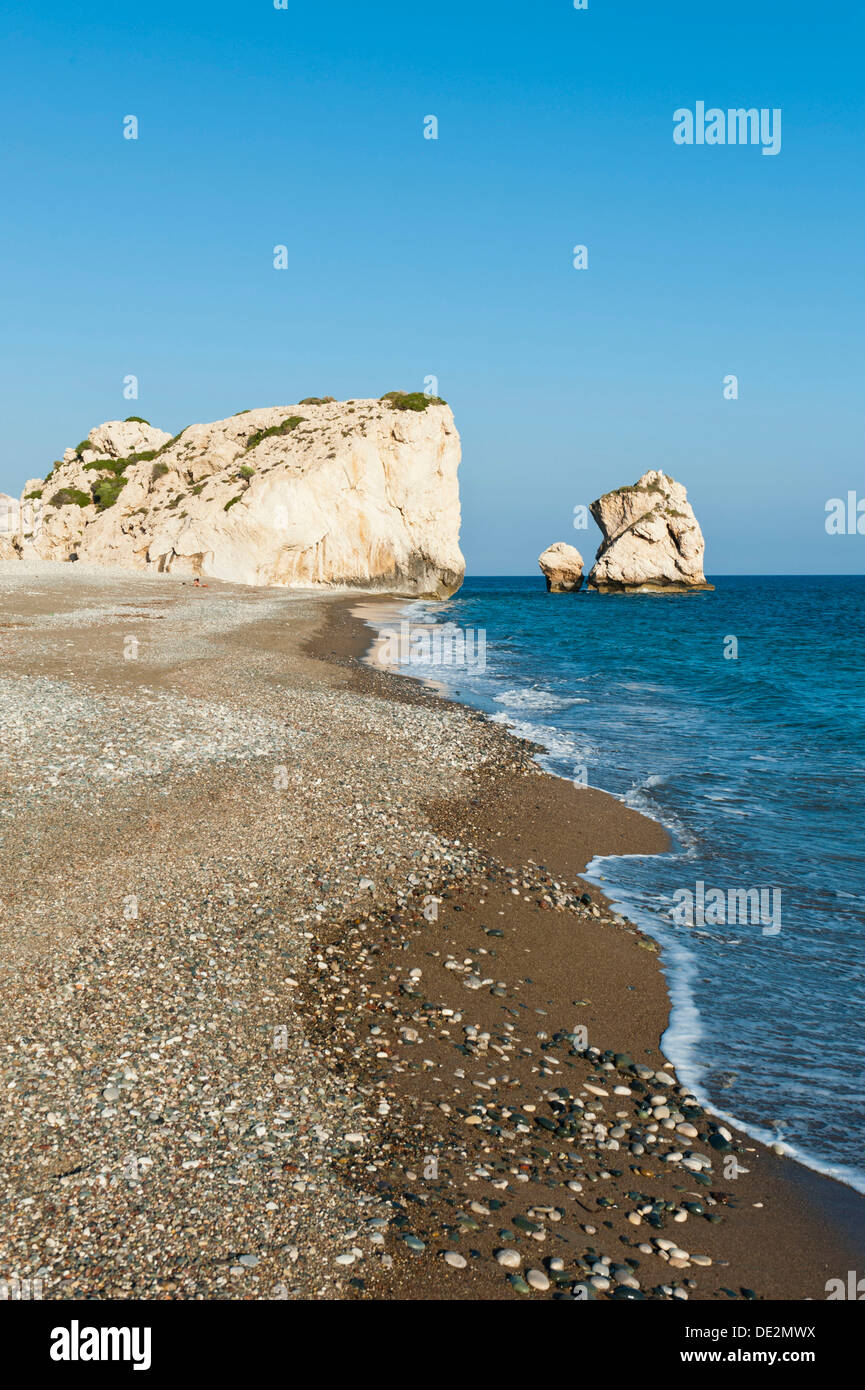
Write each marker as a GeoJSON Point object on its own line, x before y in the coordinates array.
{"type": "Point", "coordinates": [411, 257]}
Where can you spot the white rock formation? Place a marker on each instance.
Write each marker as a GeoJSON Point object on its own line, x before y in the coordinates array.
{"type": "Point", "coordinates": [117, 439]}
{"type": "Point", "coordinates": [562, 567]}
{"type": "Point", "coordinates": [352, 495]}
{"type": "Point", "coordinates": [651, 538]}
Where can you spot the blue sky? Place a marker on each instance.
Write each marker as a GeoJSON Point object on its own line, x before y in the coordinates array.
{"type": "Point", "coordinates": [413, 257]}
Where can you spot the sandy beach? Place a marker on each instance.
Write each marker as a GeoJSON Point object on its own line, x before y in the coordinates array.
{"type": "Point", "coordinates": [305, 997]}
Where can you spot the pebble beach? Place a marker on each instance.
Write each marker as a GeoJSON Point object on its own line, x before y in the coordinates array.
{"type": "Point", "coordinates": [304, 996]}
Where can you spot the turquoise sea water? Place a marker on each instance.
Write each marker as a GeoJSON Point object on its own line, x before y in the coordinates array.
{"type": "Point", "coordinates": [755, 764]}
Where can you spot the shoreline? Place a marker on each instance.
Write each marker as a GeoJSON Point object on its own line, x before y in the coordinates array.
{"type": "Point", "coordinates": [295, 962]}
{"type": "Point", "coordinates": [372, 612]}
{"type": "Point", "coordinates": [829, 1213]}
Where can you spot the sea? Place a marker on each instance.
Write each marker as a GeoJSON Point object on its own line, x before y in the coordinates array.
{"type": "Point", "coordinates": [736, 718]}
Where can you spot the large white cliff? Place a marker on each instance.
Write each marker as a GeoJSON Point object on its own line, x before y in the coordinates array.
{"type": "Point", "coordinates": [356, 494]}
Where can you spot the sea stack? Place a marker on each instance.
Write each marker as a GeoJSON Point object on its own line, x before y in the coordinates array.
{"type": "Point", "coordinates": [652, 541]}
{"type": "Point", "coordinates": [355, 495]}
{"type": "Point", "coordinates": [562, 567]}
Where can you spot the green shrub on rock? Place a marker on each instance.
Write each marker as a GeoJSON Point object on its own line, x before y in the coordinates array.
{"type": "Point", "coordinates": [119, 466]}
{"type": "Point", "coordinates": [171, 442]}
{"type": "Point", "coordinates": [411, 400]}
{"type": "Point", "coordinates": [285, 428]}
{"type": "Point", "coordinates": [107, 490]}
{"type": "Point", "coordinates": [70, 497]}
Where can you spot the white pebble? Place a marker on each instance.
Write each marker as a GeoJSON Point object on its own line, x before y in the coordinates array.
{"type": "Point", "coordinates": [509, 1259]}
